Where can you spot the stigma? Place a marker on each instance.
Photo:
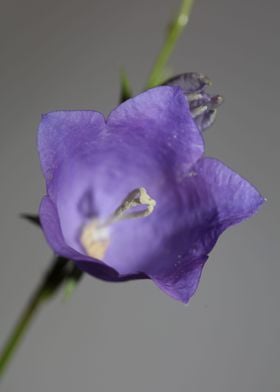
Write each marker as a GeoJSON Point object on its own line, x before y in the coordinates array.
{"type": "Point", "coordinates": [95, 234]}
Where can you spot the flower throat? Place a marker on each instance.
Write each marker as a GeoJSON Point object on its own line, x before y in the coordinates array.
{"type": "Point", "coordinates": [95, 234]}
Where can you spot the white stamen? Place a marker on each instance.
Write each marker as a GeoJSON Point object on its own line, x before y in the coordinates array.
{"type": "Point", "coordinates": [198, 111]}
{"type": "Point", "coordinates": [194, 97]}
{"type": "Point", "coordinates": [95, 234]}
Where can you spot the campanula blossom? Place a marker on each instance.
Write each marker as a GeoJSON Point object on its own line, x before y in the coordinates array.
{"type": "Point", "coordinates": [133, 196]}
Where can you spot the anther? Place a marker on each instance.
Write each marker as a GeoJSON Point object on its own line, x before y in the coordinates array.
{"type": "Point", "coordinates": [198, 111]}
{"type": "Point", "coordinates": [194, 97]}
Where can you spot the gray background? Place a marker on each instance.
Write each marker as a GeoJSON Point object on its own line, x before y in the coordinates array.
{"type": "Point", "coordinates": [66, 54]}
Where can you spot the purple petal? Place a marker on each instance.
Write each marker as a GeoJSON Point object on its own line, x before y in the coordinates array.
{"type": "Point", "coordinates": [66, 135]}
{"type": "Point", "coordinates": [183, 282]}
{"type": "Point", "coordinates": [235, 198]}
{"type": "Point", "coordinates": [215, 198]}
{"type": "Point", "coordinates": [159, 122]}
{"type": "Point", "coordinates": [51, 227]}
{"type": "Point", "coordinates": [71, 146]}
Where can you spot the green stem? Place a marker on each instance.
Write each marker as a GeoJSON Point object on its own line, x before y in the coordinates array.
{"type": "Point", "coordinates": [60, 272]}
{"type": "Point", "coordinates": [174, 32]}
{"type": "Point", "coordinates": [21, 328]}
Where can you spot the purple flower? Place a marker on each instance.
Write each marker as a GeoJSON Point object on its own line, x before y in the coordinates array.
{"type": "Point", "coordinates": [132, 196]}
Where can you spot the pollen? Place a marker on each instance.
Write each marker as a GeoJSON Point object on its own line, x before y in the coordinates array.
{"type": "Point", "coordinates": [95, 239]}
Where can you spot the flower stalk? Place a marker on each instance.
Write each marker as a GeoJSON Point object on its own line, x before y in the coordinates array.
{"type": "Point", "coordinates": [59, 274]}
{"type": "Point", "coordinates": [21, 328]}
{"type": "Point", "coordinates": [174, 32]}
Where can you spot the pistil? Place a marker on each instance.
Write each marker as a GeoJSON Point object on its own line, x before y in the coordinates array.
{"type": "Point", "coordinates": [95, 234]}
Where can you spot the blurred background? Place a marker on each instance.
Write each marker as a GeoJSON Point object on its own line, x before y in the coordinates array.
{"type": "Point", "coordinates": [59, 54]}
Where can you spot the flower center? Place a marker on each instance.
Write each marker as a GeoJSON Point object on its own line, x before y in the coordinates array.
{"type": "Point", "coordinates": [95, 234]}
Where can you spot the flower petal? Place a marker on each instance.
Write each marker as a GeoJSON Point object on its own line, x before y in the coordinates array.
{"type": "Point", "coordinates": [67, 142]}
{"type": "Point", "coordinates": [182, 284]}
{"type": "Point", "coordinates": [63, 135]}
{"type": "Point", "coordinates": [51, 227]}
{"type": "Point", "coordinates": [159, 122]}
{"type": "Point", "coordinates": [235, 198]}
{"type": "Point", "coordinates": [215, 198]}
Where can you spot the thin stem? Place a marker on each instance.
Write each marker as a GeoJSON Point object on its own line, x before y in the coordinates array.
{"type": "Point", "coordinates": [59, 273]}
{"type": "Point", "coordinates": [21, 328]}
{"type": "Point", "coordinates": [175, 30]}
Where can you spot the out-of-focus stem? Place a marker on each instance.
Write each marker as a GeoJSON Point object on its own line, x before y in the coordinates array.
{"type": "Point", "coordinates": [59, 273]}
{"type": "Point", "coordinates": [175, 30]}
{"type": "Point", "coordinates": [21, 327]}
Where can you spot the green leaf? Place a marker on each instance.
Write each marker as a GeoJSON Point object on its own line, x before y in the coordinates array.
{"type": "Point", "coordinates": [126, 91]}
